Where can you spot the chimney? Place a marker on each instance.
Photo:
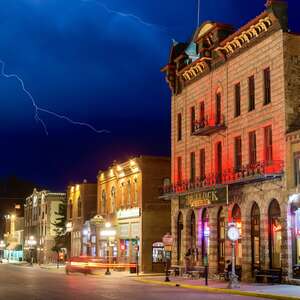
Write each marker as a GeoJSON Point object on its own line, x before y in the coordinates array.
{"type": "Point", "coordinates": [280, 10]}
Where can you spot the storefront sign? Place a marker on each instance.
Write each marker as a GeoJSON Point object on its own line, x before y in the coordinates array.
{"type": "Point", "coordinates": [199, 199]}
{"type": "Point", "coordinates": [128, 213]}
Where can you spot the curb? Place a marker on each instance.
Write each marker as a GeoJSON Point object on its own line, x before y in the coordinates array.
{"type": "Point", "coordinates": [221, 290]}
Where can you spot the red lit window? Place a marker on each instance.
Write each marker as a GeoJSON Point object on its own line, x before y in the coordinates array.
{"type": "Point", "coordinates": [179, 127]}
{"type": "Point", "coordinates": [268, 145]}
{"type": "Point", "coordinates": [202, 164]}
{"type": "Point", "coordinates": [237, 91]}
{"type": "Point", "coordinates": [179, 169]}
{"type": "Point", "coordinates": [267, 86]}
{"type": "Point", "coordinates": [238, 153]}
{"type": "Point", "coordinates": [218, 109]}
{"type": "Point", "coordinates": [202, 112]}
{"type": "Point", "coordinates": [252, 148]}
{"type": "Point", "coordinates": [251, 85]}
{"type": "Point", "coordinates": [193, 119]}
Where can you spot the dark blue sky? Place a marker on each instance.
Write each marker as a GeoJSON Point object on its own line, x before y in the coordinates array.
{"type": "Point", "coordinates": [83, 59]}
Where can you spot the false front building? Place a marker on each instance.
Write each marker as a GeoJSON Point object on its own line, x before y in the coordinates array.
{"type": "Point", "coordinates": [235, 95]}
{"type": "Point", "coordinates": [128, 198]}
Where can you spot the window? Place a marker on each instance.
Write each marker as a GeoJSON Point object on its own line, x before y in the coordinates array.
{"type": "Point", "coordinates": [79, 207]}
{"type": "Point", "coordinates": [70, 210]}
{"type": "Point", "coordinates": [202, 113]}
{"type": "Point", "coordinates": [219, 162]}
{"type": "Point", "coordinates": [128, 193]}
{"type": "Point", "coordinates": [135, 200]}
{"type": "Point", "coordinates": [251, 85]}
{"type": "Point", "coordinates": [238, 153]}
{"type": "Point", "coordinates": [297, 168]}
{"type": "Point", "coordinates": [202, 164]}
{"type": "Point", "coordinates": [179, 169]}
{"type": "Point", "coordinates": [122, 194]}
{"type": "Point", "coordinates": [193, 118]}
{"type": "Point", "coordinates": [268, 145]}
{"type": "Point", "coordinates": [218, 109]}
{"type": "Point", "coordinates": [113, 198]}
{"type": "Point", "coordinates": [103, 201]}
{"type": "Point", "coordinates": [192, 167]}
{"type": "Point", "coordinates": [179, 127]}
{"type": "Point", "coordinates": [267, 86]}
{"type": "Point", "coordinates": [252, 148]}
{"type": "Point", "coordinates": [237, 90]}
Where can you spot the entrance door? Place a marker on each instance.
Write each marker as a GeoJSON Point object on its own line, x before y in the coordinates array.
{"type": "Point", "coordinates": [255, 236]}
{"type": "Point", "coordinates": [179, 237]}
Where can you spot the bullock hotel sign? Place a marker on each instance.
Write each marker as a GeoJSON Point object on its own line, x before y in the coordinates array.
{"type": "Point", "coordinates": [204, 198]}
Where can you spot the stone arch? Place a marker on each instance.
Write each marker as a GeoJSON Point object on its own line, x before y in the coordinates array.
{"type": "Point", "coordinates": [221, 232]}
{"type": "Point", "coordinates": [255, 236]}
{"type": "Point", "coordinates": [179, 227]}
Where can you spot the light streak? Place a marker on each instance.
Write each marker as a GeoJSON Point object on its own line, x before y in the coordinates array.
{"type": "Point", "coordinates": [126, 15]}
{"type": "Point", "coordinates": [38, 109]}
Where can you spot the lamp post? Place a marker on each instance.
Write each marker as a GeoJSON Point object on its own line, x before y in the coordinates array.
{"type": "Point", "coordinates": [108, 233]}
{"type": "Point", "coordinates": [31, 243]}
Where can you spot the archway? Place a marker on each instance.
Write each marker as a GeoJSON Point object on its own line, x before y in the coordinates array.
{"type": "Point", "coordinates": [274, 235]}
{"type": "Point", "coordinates": [179, 237]}
{"type": "Point", "coordinates": [255, 236]}
{"type": "Point", "coordinates": [205, 234]}
{"type": "Point", "coordinates": [236, 218]}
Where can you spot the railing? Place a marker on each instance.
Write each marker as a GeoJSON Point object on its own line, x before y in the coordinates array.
{"type": "Point", "coordinates": [209, 124]}
{"type": "Point", "coordinates": [246, 174]}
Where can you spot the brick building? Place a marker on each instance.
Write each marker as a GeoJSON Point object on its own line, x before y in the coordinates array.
{"type": "Point", "coordinates": [41, 211]}
{"type": "Point", "coordinates": [82, 206]}
{"type": "Point", "coordinates": [235, 96]}
{"type": "Point", "coordinates": [128, 198]}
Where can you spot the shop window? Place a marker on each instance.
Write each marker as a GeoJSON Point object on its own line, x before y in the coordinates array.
{"type": "Point", "coordinates": [251, 87]}
{"type": "Point", "coordinates": [268, 144]}
{"type": "Point", "coordinates": [295, 212]}
{"type": "Point", "coordinates": [179, 237]}
{"type": "Point", "coordinates": [237, 94]}
{"type": "Point", "coordinates": [221, 240]}
{"type": "Point", "coordinates": [297, 168]}
{"type": "Point", "coordinates": [274, 235]}
{"type": "Point", "coordinates": [238, 153]}
{"type": "Point", "coordinates": [205, 234]}
{"type": "Point", "coordinates": [202, 164]}
{"type": "Point", "coordinates": [252, 148]}
{"type": "Point", "coordinates": [255, 236]}
{"type": "Point", "coordinates": [179, 127]}
{"type": "Point", "coordinates": [192, 167]}
{"type": "Point", "coordinates": [267, 86]}
{"type": "Point", "coordinates": [236, 218]}
{"type": "Point", "coordinates": [218, 109]}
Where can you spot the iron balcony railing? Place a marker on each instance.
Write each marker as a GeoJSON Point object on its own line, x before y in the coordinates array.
{"type": "Point", "coordinates": [246, 174]}
{"type": "Point", "coordinates": [209, 125]}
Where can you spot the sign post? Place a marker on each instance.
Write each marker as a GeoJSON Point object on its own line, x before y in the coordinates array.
{"type": "Point", "coordinates": [168, 242]}
{"type": "Point", "coordinates": [233, 235]}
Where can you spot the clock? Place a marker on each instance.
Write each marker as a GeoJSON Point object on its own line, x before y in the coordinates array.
{"type": "Point", "coordinates": [233, 233]}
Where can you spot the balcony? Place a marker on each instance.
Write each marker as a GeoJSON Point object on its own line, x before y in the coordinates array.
{"type": "Point", "coordinates": [209, 125]}
{"type": "Point", "coordinates": [247, 174]}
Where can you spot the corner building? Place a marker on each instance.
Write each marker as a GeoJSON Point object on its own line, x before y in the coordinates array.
{"type": "Point", "coordinates": [235, 96]}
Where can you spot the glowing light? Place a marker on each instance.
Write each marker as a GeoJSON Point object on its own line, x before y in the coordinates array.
{"type": "Point", "coordinates": [38, 109]}
{"type": "Point", "coordinates": [132, 163]}
{"type": "Point", "coordinates": [119, 168]}
{"type": "Point", "coordinates": [107, 225]}
{"type": "Point", "coordinates": [108, 233]}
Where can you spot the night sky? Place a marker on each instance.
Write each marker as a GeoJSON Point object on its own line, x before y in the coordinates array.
{"type": "Point", "coordinates": [94, 63]}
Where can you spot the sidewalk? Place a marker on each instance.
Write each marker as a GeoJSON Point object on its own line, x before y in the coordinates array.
{"type": "Point", "coordinates": [260, 290]}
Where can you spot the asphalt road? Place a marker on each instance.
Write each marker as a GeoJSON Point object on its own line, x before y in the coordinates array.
{"type": "Point", "coordinates": [27, 283]}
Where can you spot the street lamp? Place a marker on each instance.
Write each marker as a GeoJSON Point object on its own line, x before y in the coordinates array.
{"type": "Point", "coordinates": [31, 243]}
{"type": "Point", "coordinates": [108, 233]}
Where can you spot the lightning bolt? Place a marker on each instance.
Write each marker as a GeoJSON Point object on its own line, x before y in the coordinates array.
{"type": "Point", "coordinates": [38, 109]}
{"type": "Point", "coordinates": [126, 15]}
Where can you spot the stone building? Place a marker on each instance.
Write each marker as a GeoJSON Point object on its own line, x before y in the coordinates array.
{"type": "Point", "coordinates": [128, 198]}
{"type": "Point", "coordinates": [41, 211]}
{"type": "Point", "coordinates": [235, 96]}
{"type": "Point", "coordinates": [82, 206]}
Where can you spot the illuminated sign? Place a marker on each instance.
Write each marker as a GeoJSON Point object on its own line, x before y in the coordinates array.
{"type": "Point", "coordinates": [205, 198]}
{"type": "Point", "coordinates": [128, 213]}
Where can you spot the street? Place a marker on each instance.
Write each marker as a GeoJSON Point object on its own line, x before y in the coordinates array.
{"type": "Point", "coordinates": [19, 282]}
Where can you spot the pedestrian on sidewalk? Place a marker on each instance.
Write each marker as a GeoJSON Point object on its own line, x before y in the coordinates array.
{"type": "Point", "coordinates": [227, 270]}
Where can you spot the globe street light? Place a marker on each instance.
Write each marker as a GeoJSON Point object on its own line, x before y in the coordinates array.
{"type": "Point", "coordinates": [108, 233]}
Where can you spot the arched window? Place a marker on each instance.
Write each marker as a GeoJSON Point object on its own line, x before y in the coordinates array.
{"type": "Point", "coordinates": [205, 234]}
{"type": "Point", "coordinates": [122, 195]}
{"type": "Point", "coordinates": [221, 240]}
{"type": "Point", "coordinates": [70, 209]}
{"type": "Point", "coordinates": [255, 236]}
{"type": "Point", "coordinates": [135, 200]}
{"type": "Point", "coordinates": [179, 237]}
{"type": "Point", "coordinates": [274, 234]}
{"type": "Point", "coordinates": [79, 207]}
{"type": "Point", "coordinates": [113, 198]}
{"type": "Point", "coordinates": [193, 231]}
{"type": "Point", "coordinates": [236, 218]}
{"type": "Point", "coordinates": [103, 201]}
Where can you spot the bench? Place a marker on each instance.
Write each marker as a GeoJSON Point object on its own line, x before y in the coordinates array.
{"type": "Point", "coordinates": [196, 272]}
{"type": "Point", "coordinates": [270, 275]}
